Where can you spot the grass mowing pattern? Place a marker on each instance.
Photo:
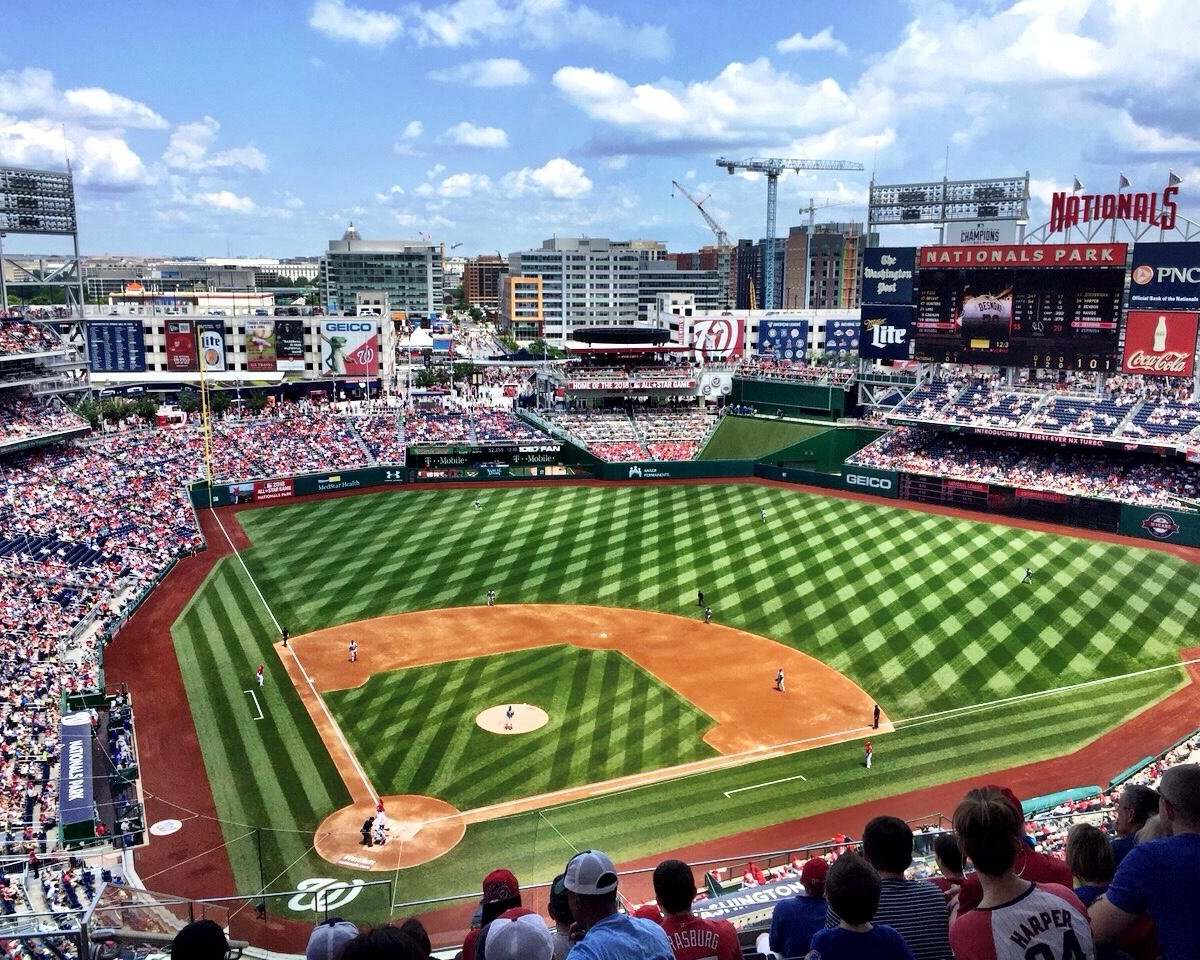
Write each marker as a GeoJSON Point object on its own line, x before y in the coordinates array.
{"type": "Point", "coordinates": [414, 730]}
{"type": "Point", "coordinates": [925, 612]}
{"type": "Point", "coordinates": [750, 438]}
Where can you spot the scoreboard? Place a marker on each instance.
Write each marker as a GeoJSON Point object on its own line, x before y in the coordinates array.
{"type": "Point", "coordinates": [1052, 307]}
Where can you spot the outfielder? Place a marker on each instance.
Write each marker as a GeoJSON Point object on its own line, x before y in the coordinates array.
{"type": "Point", "coordinates": [258, 675]}
{"type": "Point", "coordinates": [353, 648]}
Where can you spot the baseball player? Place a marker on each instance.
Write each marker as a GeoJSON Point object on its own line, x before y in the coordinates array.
{"type": "Point", "coordinates": [869, 752]}
{"type": "Point", "coordinates": [477, 504]}
{"type": "Point", "coordinates": [491, 598]}
{"type": "Point", "coordinates": [353, 648]}
{"type": "Point", "coordinates": [708, 614]}
{"type": "Point", "coordinates": [285, 635]}
{"type": "Point", "coordinates": [1028, 578]}
{"type": "Point", "coordinates": [259, 676]}
{"type": "Point", "coordinates": [779, 685]}
{"type": "Point", "coordinates": [875, 718]}
{"type": "Point", "coordinates": [508, 717]}
{"type": "Point", "coordinates": [762, 514]}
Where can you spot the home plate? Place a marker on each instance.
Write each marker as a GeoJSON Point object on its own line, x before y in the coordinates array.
{"type": "Point", "coordinates": [404, 829]}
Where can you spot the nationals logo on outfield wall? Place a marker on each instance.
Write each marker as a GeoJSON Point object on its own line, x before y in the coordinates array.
{"type": "Point", "coordinates": [1160, 344]}
{"type": "Point", "coordinates": [717, 337]}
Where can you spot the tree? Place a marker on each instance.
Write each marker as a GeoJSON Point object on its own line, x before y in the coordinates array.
{"type": "Point", "coordinates": [89, 409]}
{"type": "Point", "coordinates": [146, 407]}
{"type": "Point", "coordinates": [463, 370]}
{"type": "Point", "coordinates": [115, 409]}
{"type": "Point", "coordinates": [189, 400]}
{"type": "Point", "coordinates": [219, 402]}
{"type": "Point", "coordinates": [478, 314]}
{"type": "Point", "coordinates": [540, 348]}
{"type": "Point", "coordinates": [426, 378]}
{"type": "Point", "coordinates": [256, 401]}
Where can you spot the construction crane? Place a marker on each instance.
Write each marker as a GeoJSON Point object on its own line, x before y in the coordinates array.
{"type": "Point", "coordinates": [773, 167]}
{"type": "Point", "coordinates": [723, 245]}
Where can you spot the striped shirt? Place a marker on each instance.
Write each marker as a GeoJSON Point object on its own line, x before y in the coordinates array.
{"type": "Point", "coordinates": [917, 911]}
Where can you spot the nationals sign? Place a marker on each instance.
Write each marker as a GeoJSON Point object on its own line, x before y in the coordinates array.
{"type": "Point", "coordinates": [1160, 344]}
{"type": "Point", "coordinates": [718, 337]}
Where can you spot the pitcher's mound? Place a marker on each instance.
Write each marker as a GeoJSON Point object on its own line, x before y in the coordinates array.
{"type": "Point", "coordinates": [525, 717]}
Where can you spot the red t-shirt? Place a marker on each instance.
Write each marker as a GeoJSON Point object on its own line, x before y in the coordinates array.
{"type": "Point", "coordinates": [694, 938]}
{"type": "Point", "coordinates": [1029, 865]}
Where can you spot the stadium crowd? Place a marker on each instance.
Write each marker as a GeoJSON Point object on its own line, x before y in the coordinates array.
{"type": "Point", "coordinates": [1072, 472]}
{"type": "Point", "coordinates": [798, 371]}
{"type": "Point", "coordinates": [24, 417]}
{"type": "Point", "coordinates": [19, 336]}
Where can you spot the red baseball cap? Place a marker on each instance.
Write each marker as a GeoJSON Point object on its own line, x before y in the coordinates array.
{"type": "Point", "coordinates": [500, 885]}
{"type": "Point", "coordinates": [814, 871]}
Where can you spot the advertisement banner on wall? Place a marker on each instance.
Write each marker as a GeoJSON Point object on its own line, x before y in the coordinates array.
{"type": "Point", "coordinates": [841, 338]}
{"type": "Point", "coordinates": [289, 344]}
{"type": "Point", "coordinates": [1160, 344]}
{"type": "Point", "coordinates": [260, 346]}
{"type": "Point", "coordinates": [887, 332]}
{"type": "Point", "coordinates": [1165, 276]}
{"type": "Point", "coordinates": [274, 489]}
{"type": "Point", "coordinates": [181, 346]}
{"type": "Point", "coordinates": [981, 233]}
{"type": "Point", "coordinates": [783, 339]}
{"type": "Point", "coordinates": [212, 345]}
{"type": "Point", "coordinates": [717, 337]}
{"type": "Point", "coordinates": [349, 347]}
{"type": "Point", "coordinates": [889, 275]}
{"type": "Point", "coordinates": [75, 803]}
{"type": "Point", "coordinates": [116, 346]}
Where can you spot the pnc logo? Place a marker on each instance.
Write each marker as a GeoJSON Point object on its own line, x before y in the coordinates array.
{"type": "Point", "coordinates": [1142, 274]}
{"type": "Point", "coordinates": [1161, 526]}
{"type": "Point", "coordinates": [872, 483]}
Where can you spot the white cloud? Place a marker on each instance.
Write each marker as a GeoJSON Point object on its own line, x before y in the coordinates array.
{"type": "Point", "coordinates": [101, 159]}
{"type": "Point", "coordinates": [468, 135]}
{"type": "Point", "coordinates": [394, 191]}
{"type": "Point", "coordinates": [188, 149]}
{"type": "Point", "coordinates": [226, 200]}
{"type": "Point", "coordinates": [537, 23]}
{"type": "Point", "coordinates": [459, 185]}
{"type": "Point", "coordinates": [618, 162]}
{"type": "Point", "coordinates": [433, 171]}
{"type": "Point", "coordinates": [500, 72]}
{"type": "Point", "coordinates": [413, 129]}
{"type": "Point", "coordinates": [33, 90]}
{"type": "Point", "coordinates": [370, 28]}
{"type": "Point", "coordinates": [558, 178]}
{"type": "Point", "coordinates": [799, 43]}
{"type": "Point", "coordinates": [744, 101]}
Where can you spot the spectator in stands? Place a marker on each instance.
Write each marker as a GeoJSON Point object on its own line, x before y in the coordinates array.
{"type": "Point", "coordinates": [500, 892]}
{"type": "Point", "coordinates": [522, 937]}
{"type": "Point", "coordinates": [795, 920]}
{"type": "Point", "coordinates": [915, 908]}
{"type": "Point", "coordinates": [382, 943]}
{"type": "Point", "coordinates": [853, 887]}
{"type": "Point", "coordinates": [606, 933]}
{"type": "Point", "coordinates": [1030, 864]}
{"type": "Point", "coordinates": [329, 939]}
{"type": "Point", "coordinates": [1016, 917]}
{"type": "Point", "coordinates": [416, 929]}
{"type": "Point", "coordinates": [1091, 861]}
{"type": "Point", "coordinates": [560, 913]}
{"type": "Point", "coordinates": [1138, 804]}
{"type": "Point", "coordinates": [691, 937]}
{"type": "Point", "coordinates": [200, 940]}
{"type": "Point", "coordinates": [1161, 877]}
{"type": "Point", "coordinates": [949, 860]}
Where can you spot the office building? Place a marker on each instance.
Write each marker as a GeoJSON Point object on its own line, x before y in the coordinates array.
{"type": "Point", "coordinates": [408, 271]}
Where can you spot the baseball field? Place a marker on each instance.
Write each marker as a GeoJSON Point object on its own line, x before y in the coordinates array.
{"type": "Point", "coordinates": [923, 613]}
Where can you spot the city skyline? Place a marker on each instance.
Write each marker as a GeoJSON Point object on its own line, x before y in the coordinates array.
{"type": "Point", "coordinates": [492, 125]}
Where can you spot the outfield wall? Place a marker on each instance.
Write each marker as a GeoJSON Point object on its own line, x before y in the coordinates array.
{"type": "Point", "coordinates": [772, 397]}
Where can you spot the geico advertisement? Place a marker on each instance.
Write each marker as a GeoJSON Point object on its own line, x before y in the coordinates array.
{"type": "Point", "coordinates": [349, 347]}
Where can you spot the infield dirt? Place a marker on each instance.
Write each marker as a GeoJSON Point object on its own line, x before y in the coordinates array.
{"type": "Point", "coordinates": [752, 720]}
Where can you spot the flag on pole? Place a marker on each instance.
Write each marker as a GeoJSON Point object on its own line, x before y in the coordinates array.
{"type": "Point", "coordinates": [1172, 179]}
{"type": "Point", "coordinates": [1124, 182]}
{"type": "Point", "coordinates": [1078, 186]}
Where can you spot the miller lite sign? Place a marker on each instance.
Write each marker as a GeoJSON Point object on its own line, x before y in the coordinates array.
{"type": "Point", "coordinates": [1160, 343]}
{"type": "Point", "coordinates": [886, 332]}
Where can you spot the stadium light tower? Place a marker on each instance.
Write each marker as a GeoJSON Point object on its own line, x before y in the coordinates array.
{"type": "Point", "coordinates": [773, 167]}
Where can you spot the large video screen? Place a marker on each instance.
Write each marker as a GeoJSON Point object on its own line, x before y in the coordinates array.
{"type": "Point", "coordinates": [1054, 307]}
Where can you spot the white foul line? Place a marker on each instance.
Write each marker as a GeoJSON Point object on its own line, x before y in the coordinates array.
{"type": "Point", "coordinates": [769, 783]}
{"type": "Point", "coordinates": [256, 704]}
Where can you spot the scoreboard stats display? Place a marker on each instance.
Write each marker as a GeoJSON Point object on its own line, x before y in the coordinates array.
{"type": "Point", "coordinates": [1055, 306]}
{"type": "Point", "coordinates": [116, 346]}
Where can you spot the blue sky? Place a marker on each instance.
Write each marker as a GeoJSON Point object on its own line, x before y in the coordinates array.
{"type": "Point", "coordinates": [262, 129]}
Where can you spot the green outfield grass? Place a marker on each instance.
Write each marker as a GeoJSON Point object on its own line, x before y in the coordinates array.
{"type": "Point", "coordinates": [750, 438]}
{"type": "Point", "coordinates": [413, 729]}
{"type": "Point", "coordinates": [925, 612]}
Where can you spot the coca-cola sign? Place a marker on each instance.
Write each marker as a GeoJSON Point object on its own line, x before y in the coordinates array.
{"type": "Point", "coordinates": [1160, 343]}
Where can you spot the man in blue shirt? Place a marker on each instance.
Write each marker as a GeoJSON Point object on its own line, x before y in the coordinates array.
{"type": "Point", "coordinates": [1160, 877]}
{"type": "Point", "coordinates": [1137, 805]}
{"type": "Point", "coordinates": [607, 934]}
{"type": "Point", "coordinates": [796, 919]}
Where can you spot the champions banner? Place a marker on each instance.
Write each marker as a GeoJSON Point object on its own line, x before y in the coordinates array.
{"type": "Point", "coordinates": [783, 339]}
{"type": "Point", "coordinates": [75, 801]}
{"type": "Point", "coordinates": [289, 345]}
{"type": "Point", "coordinates": [841, 338]}
{"type": "Point", "coordinates": [349, 347]}
{"type": "Point", "coordinates": [181, 347]}
{"type": "Point", "coordinates": [261, 353]}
